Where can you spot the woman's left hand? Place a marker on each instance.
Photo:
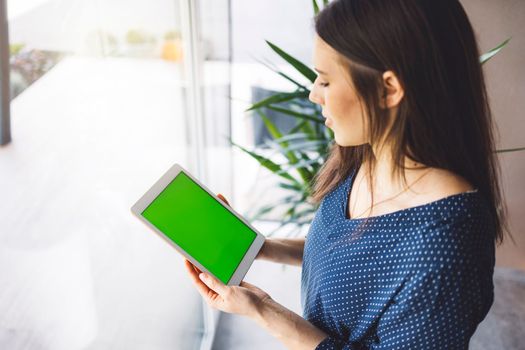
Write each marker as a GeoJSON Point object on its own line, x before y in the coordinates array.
{"type": "Point", "coordinates": [245, 299]}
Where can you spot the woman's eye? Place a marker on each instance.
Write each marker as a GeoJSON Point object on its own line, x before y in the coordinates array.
{"type": "Point", "coordinates": [323, 84]}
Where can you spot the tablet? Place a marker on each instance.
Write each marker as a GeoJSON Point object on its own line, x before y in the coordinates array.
{"type": "Point", "coordinates": [199, 225]}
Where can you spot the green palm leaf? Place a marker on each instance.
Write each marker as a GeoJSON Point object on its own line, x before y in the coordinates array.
{"type": "Point", "coordinates": [296, 114]}
{"type": "Point", "coordinates": [287, 77]}
{"type": "Point", "coordinates": [278, 98]}
{"type": "Point", "coordinates": [274, 132]}
{"type": "Point", "coordinates": [265, 162]}
{"type": "Point", "coordinates": [510, 150]}
{"type": "Point", "coordinates": [487, 56]}
{"type": "Point", "coordinates": [301, 67]}
{"type": "Point", "coordinates": [316, 7]}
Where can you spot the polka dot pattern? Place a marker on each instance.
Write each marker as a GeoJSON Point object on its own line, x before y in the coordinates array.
{"type": "Point", "coordinates": [417, 278]}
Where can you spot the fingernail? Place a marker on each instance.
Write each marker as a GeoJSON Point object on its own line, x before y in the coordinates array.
{"type": "Point", "coordinates": [202, 276]}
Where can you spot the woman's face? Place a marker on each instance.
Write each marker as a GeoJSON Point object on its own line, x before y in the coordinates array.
{"type": "Point", "coordinates": [333, 91]}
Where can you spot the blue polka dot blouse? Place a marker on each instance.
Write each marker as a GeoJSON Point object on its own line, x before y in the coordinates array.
{"type": "Point", "coordinates": [417, 278]}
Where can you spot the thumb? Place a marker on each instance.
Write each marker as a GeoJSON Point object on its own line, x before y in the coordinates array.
{"type": "Point", "coordinates": [248, 285]}
{"type": "Point", "coordinates": [223, 199]}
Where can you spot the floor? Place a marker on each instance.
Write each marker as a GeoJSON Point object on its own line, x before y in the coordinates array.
{"type": "Point", "coordinates": [504, 326]}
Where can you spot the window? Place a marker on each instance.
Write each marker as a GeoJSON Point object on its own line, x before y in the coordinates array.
{"type": "Point", "coordinates": [105, 97]}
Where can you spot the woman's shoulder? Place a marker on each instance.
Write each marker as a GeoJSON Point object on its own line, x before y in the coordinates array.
{"type": "Point", "coordinates": [446, 183]}
{"type": "Point", "coordinates": [461, 225]}
{"type": "Point", "coordinates": [455, 210]}
{"type": "Point", "coordinates": [459, 205]}
{"type": "Point", "coordinates": [437, 185]}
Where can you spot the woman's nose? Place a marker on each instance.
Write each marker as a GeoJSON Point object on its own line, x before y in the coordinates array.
{"type": "Point", "coordinates": [313, 96]}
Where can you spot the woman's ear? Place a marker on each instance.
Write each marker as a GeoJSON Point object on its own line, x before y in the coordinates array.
{"type": "Point", "coordinates": [392, 90]}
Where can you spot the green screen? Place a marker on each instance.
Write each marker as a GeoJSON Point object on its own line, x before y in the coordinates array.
{"type": "Point", "coordinates": [201, 226]}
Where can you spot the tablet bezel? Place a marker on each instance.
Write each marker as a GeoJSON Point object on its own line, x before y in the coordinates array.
{"type": "Point", "coordinates": [155, 191]}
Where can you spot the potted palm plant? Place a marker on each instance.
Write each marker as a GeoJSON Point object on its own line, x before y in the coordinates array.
{"type": "Point", "coordinates": [303, 148]}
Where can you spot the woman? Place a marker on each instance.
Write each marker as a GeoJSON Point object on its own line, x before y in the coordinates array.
{"type": "Point", "coordinates": [400, 254]}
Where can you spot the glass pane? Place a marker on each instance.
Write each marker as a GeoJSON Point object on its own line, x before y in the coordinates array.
{"type": "Point", "coordinates": [216, 52]}
{"type": "Point", "coordinates": [99, 111]}
{"type": "Point", "coordinates": [253, 22]}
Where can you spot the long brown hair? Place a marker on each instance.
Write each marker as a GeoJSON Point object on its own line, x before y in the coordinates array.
{"type": "Point", "coordinates": [444, 119]}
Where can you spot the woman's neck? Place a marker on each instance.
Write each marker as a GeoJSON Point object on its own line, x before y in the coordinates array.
{"type": "Point", "coordinates": [385, 180]}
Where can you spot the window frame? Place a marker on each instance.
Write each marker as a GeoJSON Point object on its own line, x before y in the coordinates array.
{"type": "Point", "coordinates": [5, 115]}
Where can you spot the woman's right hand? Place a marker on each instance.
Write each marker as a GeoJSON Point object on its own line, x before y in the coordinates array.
{"type": "Point", "coordinates": [263, 252]}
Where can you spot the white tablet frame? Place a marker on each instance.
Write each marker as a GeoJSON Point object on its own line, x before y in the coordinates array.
{"type": "Point", "coordinates": [154, 192]}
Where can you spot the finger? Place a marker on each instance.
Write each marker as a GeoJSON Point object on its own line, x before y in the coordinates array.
{"type": "Point", "coordinates": [213, 283]}
{"type": "Point", "coordinates": [191, 269]}
{"type": "Point", "coordinates": [223, 199]}
{"type": "Point", "coordinates": [196, 268]}
{"type": "Point", "coordinates": [194, 275]}
{"type": "Point", "coordinates": [189, 264]}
